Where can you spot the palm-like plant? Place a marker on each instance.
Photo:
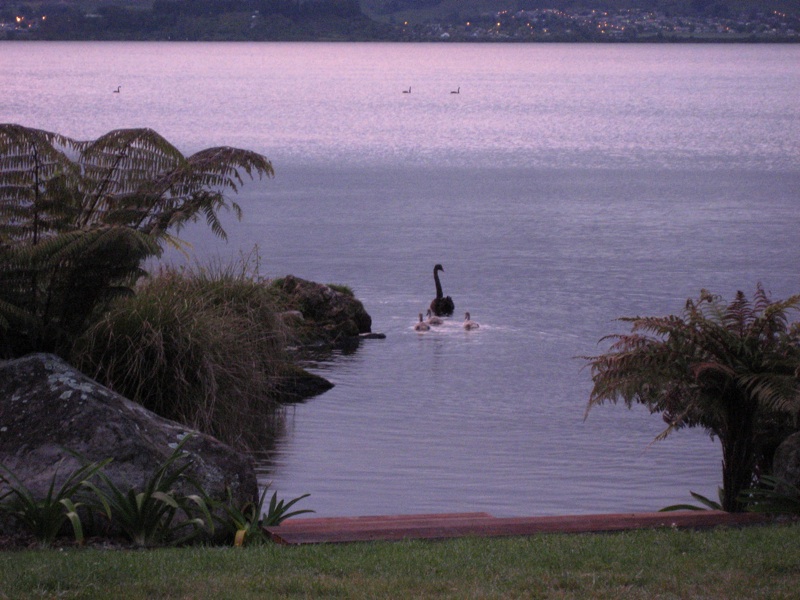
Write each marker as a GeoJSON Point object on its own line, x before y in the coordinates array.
{"type": "Point", "coordinates": [77, 219]}
{"type": "Point", "coordinates": [733, 369]}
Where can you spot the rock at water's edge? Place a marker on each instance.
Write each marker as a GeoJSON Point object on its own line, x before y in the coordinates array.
{"type": "Point", "coordinates": [326, 312]}
{"type": "Point", "coordinates": [46, 406]}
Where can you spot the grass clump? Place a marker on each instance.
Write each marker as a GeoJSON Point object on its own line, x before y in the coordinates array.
{"type": "Point", "coordinates": [342, 289]}
{"type": "Point", "coordinates": [202, 346]}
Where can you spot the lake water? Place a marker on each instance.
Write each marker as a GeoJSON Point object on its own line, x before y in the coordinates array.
{"type": "Point", "coordinates": [563, 187]}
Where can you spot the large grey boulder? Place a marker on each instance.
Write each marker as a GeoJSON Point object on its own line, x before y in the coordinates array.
{"type": "Point", "coordinates": [786, 462]}
{"type": "Point", "coordinates": [46, 407]}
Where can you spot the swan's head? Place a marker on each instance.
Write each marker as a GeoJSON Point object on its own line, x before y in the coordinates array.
{"type": "Point", "coordinates": [420, 316]}
{"type": "Point", "coordinates": [438, 268]}
{"type": "Point", "coordinates": [466, 316]}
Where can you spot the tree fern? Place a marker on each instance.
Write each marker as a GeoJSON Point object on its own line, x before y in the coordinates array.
{"type": "Point", "coordinates": [77, 219]}
{"type": "Point", "coordinates": [733, 369]}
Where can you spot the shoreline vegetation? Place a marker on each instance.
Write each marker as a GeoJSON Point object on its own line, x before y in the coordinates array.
{"type": "Point", "coordinates": [751, 562]}
{"type": "Point", "coordinates": [516, 21]}
{"type": "Point", "coordinates": [206, 347]}
{"type": "Point", "coordinates": [215, 347]}
{"type": "Point", "coordinates": [244, 339]}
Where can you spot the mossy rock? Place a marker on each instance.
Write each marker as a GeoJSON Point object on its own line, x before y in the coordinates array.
{"type": "Point", "coordinates": [331, 314]}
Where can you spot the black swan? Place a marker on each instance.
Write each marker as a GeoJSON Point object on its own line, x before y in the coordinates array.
{"type": "Point", "coordinates": [433, 319]}
{"type": "Point", "coordinates": [469, 324]}
{"type": "Point", "coordinates": [441, 306]}
{"type": "Point", "coordinates": [421, 325]}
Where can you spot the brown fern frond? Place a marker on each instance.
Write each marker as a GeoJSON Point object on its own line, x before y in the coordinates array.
{"type": "Point", "coordinates": [235, 160]}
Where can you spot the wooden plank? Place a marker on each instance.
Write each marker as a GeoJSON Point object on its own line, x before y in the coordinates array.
{"type": "Point", "coordinates": [354, 529]}
{"type": "Point", "coordinates": [366, 522]}
{"type": "Point", "coordinates": [345, 528]}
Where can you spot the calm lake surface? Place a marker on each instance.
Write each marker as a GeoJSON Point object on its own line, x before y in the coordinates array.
{"type": "Point", "coordinates": [563, 187]}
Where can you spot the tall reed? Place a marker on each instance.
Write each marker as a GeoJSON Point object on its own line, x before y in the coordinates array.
{"type": "Point", "coordinates": [202, 345]}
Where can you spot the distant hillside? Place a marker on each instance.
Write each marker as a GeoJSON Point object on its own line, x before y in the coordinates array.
{"type": "Point", "coordinates": [192, 20]}
{"type": "Point", "coordinates": [454, 10]}
{"type": "Point", "coordinates": [404, 20]}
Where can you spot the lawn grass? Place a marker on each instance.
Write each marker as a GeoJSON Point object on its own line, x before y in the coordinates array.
{"type": "Point", "coordinates": [753, 562]}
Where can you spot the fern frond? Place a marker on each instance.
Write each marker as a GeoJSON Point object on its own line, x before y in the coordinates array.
{"type": "Point", "coordinates": [118, 164]}
{"type": "Point", "coordinates": [36, 175]}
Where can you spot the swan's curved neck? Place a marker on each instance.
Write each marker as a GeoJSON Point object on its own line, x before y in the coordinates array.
{"type": "Point", "coordinates": [439, 293]}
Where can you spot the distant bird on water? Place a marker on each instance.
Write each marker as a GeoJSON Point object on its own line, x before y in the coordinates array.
{"type": "Point", "coordinates": [408, 91]}
{"type": "Point", "coordinates": [441, 306]}
{"type": "Point", "coordinates": [468, 323]}
{"type": "Point", "coordinates": [421, 325]}
{"type": "Point", "coordinates": [116, 91]}
{"type": "Point", "coordinates": [458, 91]}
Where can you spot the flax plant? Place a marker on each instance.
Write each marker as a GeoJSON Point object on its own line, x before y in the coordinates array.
{"type": "Point", "coordinates": [45, 516]}
{"type": "Point", "coordinates": [773, 495]}
{"type": "Point", "coordinates": [156, 513]}
{"type": "Point", "coordinates": [246, 523]}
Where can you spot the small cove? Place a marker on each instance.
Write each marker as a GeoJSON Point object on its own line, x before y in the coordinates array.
{"type": "Point", "coordinates": [565, 186]}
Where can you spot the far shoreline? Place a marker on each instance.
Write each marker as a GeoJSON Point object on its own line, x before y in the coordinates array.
{"type": "Point", "coordinates": [652, 40]}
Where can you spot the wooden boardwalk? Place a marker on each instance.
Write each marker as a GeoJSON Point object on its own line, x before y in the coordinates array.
{"type": "Point", "coordinates": [443, 526]}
